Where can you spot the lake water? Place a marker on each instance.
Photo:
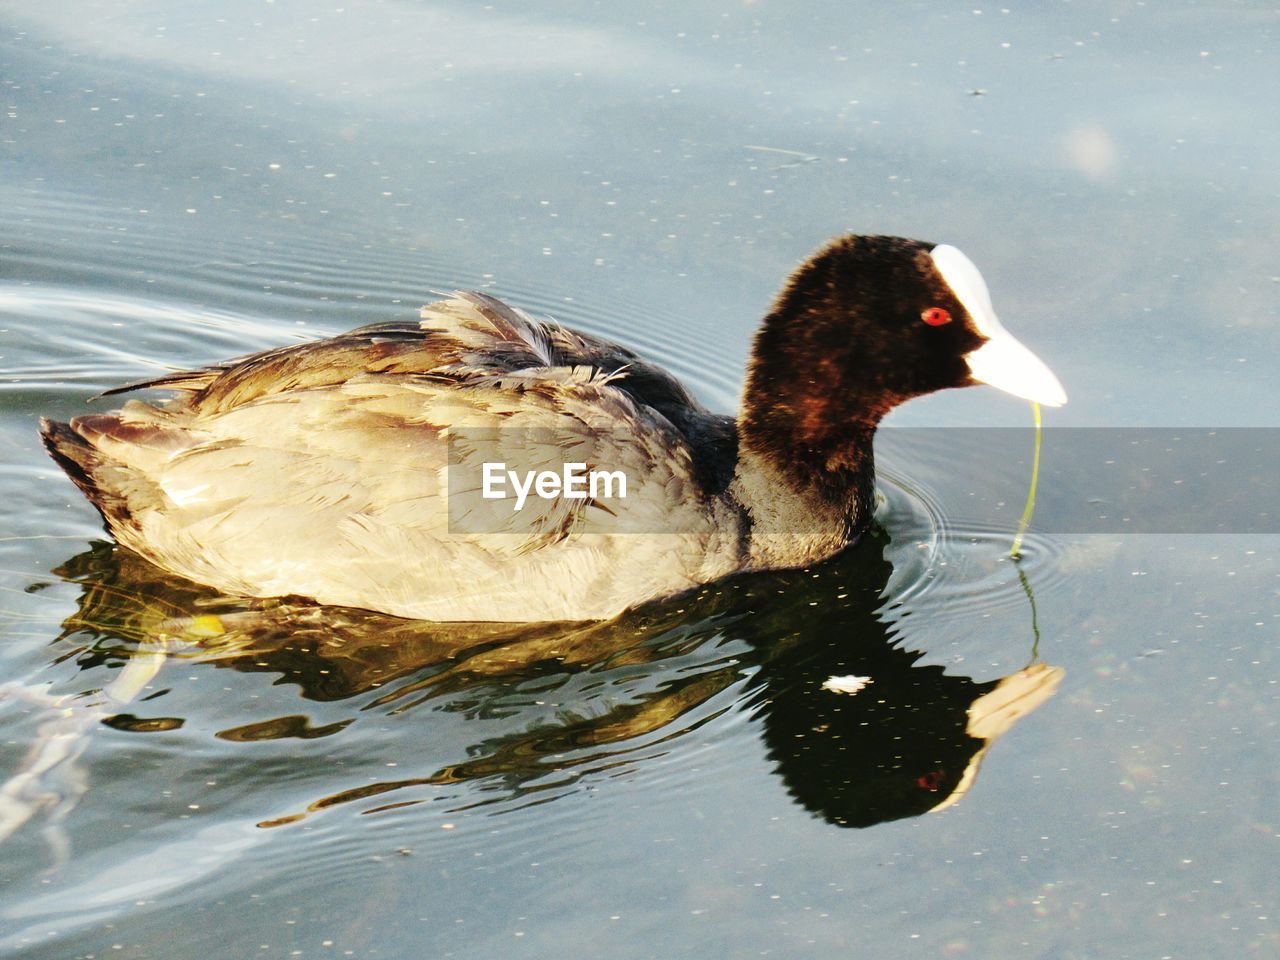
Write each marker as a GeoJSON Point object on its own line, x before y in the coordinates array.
{"type": "Point", "coordinates": [183, 182]}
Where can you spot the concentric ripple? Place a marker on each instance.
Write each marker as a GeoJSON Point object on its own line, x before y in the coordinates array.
{"type": "Point", "coordinates": [948, 555]}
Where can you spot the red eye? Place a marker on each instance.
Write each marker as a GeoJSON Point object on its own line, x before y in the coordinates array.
{"type": "Point", "coordinates": [935, 317]}
{"type": "Point", "coordinates": [932, 780]}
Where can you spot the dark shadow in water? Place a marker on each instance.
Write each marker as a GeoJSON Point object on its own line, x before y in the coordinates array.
{"type": "Point", "coordinates": [859, 733]}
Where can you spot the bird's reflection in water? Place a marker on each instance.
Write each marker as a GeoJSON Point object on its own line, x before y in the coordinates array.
{"type": "Point", "coordinates": [859, 733]}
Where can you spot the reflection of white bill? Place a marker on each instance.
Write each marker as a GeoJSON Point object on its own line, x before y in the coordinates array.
{"type": "Point", "coordinates": [574, 482]}
{"type": "Point", "coordinates": [993, 713]}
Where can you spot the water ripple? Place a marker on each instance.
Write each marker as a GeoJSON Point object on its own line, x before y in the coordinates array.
{"type": "Point", "coordinates": [947, 558]}
{"type": "Point", "coordinates": [182, 298]}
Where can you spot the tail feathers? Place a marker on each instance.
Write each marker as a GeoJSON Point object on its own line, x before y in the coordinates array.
{"type": "Point", "coordinates": [110, 486]}
{"type": "Point", "coordinates": [138, 433]}
{"type": "Point", "coordinates": [72, 452]}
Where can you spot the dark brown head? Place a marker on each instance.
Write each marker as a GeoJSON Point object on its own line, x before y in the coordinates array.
{"type": "Point", "coordinates": [863, 325]}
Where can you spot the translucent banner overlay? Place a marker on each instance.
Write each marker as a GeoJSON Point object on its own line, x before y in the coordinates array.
{"type": "Point", "coordinates": [1139, 480]}
{"type": "Point", "coordinates": [1107, 480]}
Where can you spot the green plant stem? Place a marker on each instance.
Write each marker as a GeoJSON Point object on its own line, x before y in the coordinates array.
{"type": "Point", "coordinates": [1016, 550]}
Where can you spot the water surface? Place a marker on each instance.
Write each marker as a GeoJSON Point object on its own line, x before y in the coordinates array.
{"type": "Point", "coordinates": [180, 183]}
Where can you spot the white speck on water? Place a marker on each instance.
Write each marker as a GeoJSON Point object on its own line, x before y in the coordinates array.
{"type": "Point", "coordinates": [846, 684]}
